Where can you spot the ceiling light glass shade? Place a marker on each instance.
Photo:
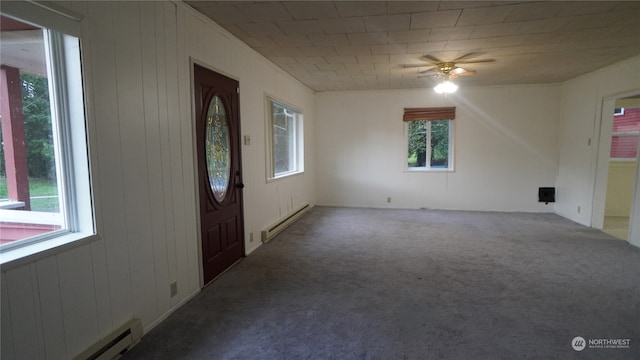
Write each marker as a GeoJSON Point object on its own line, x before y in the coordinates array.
{"type": "Point", "coordinates": [446, 87]}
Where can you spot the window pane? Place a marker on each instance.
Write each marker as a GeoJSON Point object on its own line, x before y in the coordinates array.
{"type": "Point", "coordinates": [29, 194]}
{"type": "Point", "coordinates": [624, 140]}
{"type": "Point", "coordinates": [284, 140]}
{"type": "Point", "coordinates": [429, 144]}
{"type": "Point", "coordinates": [440, 144]}
{"type": "Point", "coordinates": [417, 147]}
{"type": "Point", "coordinates": [627, 122]}
{"type": "Point", "coordinates": [624, 147]}
{"type": "Point", "coordinates": [217, 148]}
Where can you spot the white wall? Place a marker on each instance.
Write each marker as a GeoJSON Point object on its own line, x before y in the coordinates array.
{"type": "Point", "coordinates": [505, 148]}
{"type": "Point", "coordinates": [620, 188]}
{"type": "Point", "coordinates": [264, 202]}
{"type": "Point", "coordinates": [137, 67]}
{"type": "Point", "coordinates": [579, 132]}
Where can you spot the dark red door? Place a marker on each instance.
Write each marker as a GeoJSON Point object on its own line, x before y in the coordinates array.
{"type": "Point", "coordinates": [219, 171]}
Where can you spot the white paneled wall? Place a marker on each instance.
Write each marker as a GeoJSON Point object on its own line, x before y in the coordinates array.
{"type": "Point", "coordinates": [137, 61]}
{"type": "Point", "coordinates": [579, 135]}
{"type": "Point", "coordinates": [505, 148]}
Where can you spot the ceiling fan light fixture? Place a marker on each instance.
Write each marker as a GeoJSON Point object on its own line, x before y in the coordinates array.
{"type": "Point", "coordinates": [446, 87]}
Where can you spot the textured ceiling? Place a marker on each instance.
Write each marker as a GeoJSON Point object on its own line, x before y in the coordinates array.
{"type": "Point", "coordinates": [340, 45]}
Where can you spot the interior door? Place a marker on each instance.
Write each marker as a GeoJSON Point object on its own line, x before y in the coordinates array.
{"type": "Point", "coordinates": [219, 171]}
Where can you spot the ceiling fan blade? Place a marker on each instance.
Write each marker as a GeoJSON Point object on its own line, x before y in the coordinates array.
{"type": "Point", "coordinates": [475, 61]}
{"type": "Point", "coordinates": [414, 65]}
{"type": "Point", "coordinates": [466, 73]}
{"type": "Point", "coordinates": [433, 69]}
{"type": "Point", "coordinates": [467, 55]}
{"type": "Point", "coordinates": [432, 58]}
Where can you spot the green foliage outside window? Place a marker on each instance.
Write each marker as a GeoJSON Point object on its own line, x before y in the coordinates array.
{"type": "Point", "coordinates": [37, 128]}
{"type": "Point", "coordinates": [417, 143]}
{"type": "Point", "coordinates": [284, 123]}
{"type": "Point", "coordinates": [440, 143]}
{"type": "Point", "coordinates": [425, 133]}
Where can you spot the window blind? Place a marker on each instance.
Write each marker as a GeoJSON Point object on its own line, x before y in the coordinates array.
{"type": "Point", "coordinates": [434, 113]}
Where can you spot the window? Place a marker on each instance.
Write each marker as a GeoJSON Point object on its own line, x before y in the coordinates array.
{"type": "Point", "coordinates": [285, 143]}
{"type": "Point", "coordinates": [429, 138]}
{"type": "Point", "coordinates": [624, 135]}
{"type": "Point", "coordinates": [45, 192]}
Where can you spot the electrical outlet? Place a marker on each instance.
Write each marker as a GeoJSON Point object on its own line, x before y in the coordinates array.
{"type": "Point", "coordinates": [578, 209]}
{"type": "Point", "coordinates": [251, 237]}
{"type": "Point", "coordinates": [173, 288]}
{"type": "Point", "coordinates": [389, 200]}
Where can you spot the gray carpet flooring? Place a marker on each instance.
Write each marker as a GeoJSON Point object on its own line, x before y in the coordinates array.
{"type": "Point", "coordinates": [345, 283]}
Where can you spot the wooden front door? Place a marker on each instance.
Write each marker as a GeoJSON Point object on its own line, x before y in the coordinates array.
{"type": "Point", "coordinates": [219, 171]}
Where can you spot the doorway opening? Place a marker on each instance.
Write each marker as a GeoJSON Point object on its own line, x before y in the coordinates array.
{"type": "Point", "coordinates": [618, 166]}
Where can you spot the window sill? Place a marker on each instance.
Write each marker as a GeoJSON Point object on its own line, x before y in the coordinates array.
{"type": "Point", "coordinates": [13, 258]}
{"type": "Point", "coordinates": [428, 170]}
{"type": "Point", "coordinates": [284, 175]}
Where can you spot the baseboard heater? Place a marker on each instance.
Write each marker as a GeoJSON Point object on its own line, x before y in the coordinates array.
{"type": "Point", "coordinates": [116, 344]}
{"type": "Point", "coordinates": [275, 228]}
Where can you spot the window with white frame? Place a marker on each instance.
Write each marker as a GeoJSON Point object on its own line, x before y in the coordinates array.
{"type": "Point", "coordinates": [624, 135]}
{"type": "Point", "coordinates": [285, 145]}
{"type": "Point", "coordinates": [429, 137]}
{"type": "Point", "coordinates": [45, 189]}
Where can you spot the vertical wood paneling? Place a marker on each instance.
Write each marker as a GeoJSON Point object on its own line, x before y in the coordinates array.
{"type": "Point", "coordinates": [105, 114]}
{"type": "Point", "coordinates": [98, 249]}
{"type": "Point", "coordinates": [6, 331]}
{"type": "Point", "coordinates": [39, 339]}
{"type": "Point", "coordinates": [165, 45]}
{"type": "Point", "coordinates": [169, 150]}
{"type": "Point", "coordinates": [137, 66]}
{"type": "Point", "coordinates": [128, 59]}
{"type": "Point", "coordinates": [77, 291]}
{"type": "Point", "coordinates": [194, 44]}
{"type": "Point", "coordinates": [198, 48]}
{"type": "Point", "coordinates": [188, 159]}
{"type": "Point", "coordinates": [150, 72]}
{"type": "Point", "coordinates": [102, 296]}
{"type": "Point", "coordinates": [22, 306]}
{"type": "Point", "coordinates": [178, 118]}
{"type": "Point", "coordinates": [50, 304]}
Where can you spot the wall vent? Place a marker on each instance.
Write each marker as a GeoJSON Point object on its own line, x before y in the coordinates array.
{"type": "Point", "coordinates": [275, 228]}
{"type": "Point", "coordinates": [115, 344]}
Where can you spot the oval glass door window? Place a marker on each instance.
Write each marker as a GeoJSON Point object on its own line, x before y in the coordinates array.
{"type": "Point", "coordinates": [217, 148]}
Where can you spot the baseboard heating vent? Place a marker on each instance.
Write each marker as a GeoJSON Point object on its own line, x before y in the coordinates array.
{"type": "Point", "coordinates": [116, 344]}
{"type": "Point", "coordinates": [275, 228]}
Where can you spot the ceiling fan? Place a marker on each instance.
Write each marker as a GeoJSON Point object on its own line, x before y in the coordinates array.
{"type": "Point", "coordinates": [448, 70]}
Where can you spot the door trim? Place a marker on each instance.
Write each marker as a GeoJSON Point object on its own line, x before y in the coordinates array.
{"type": "Point", "coordinates": [603, 126]}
